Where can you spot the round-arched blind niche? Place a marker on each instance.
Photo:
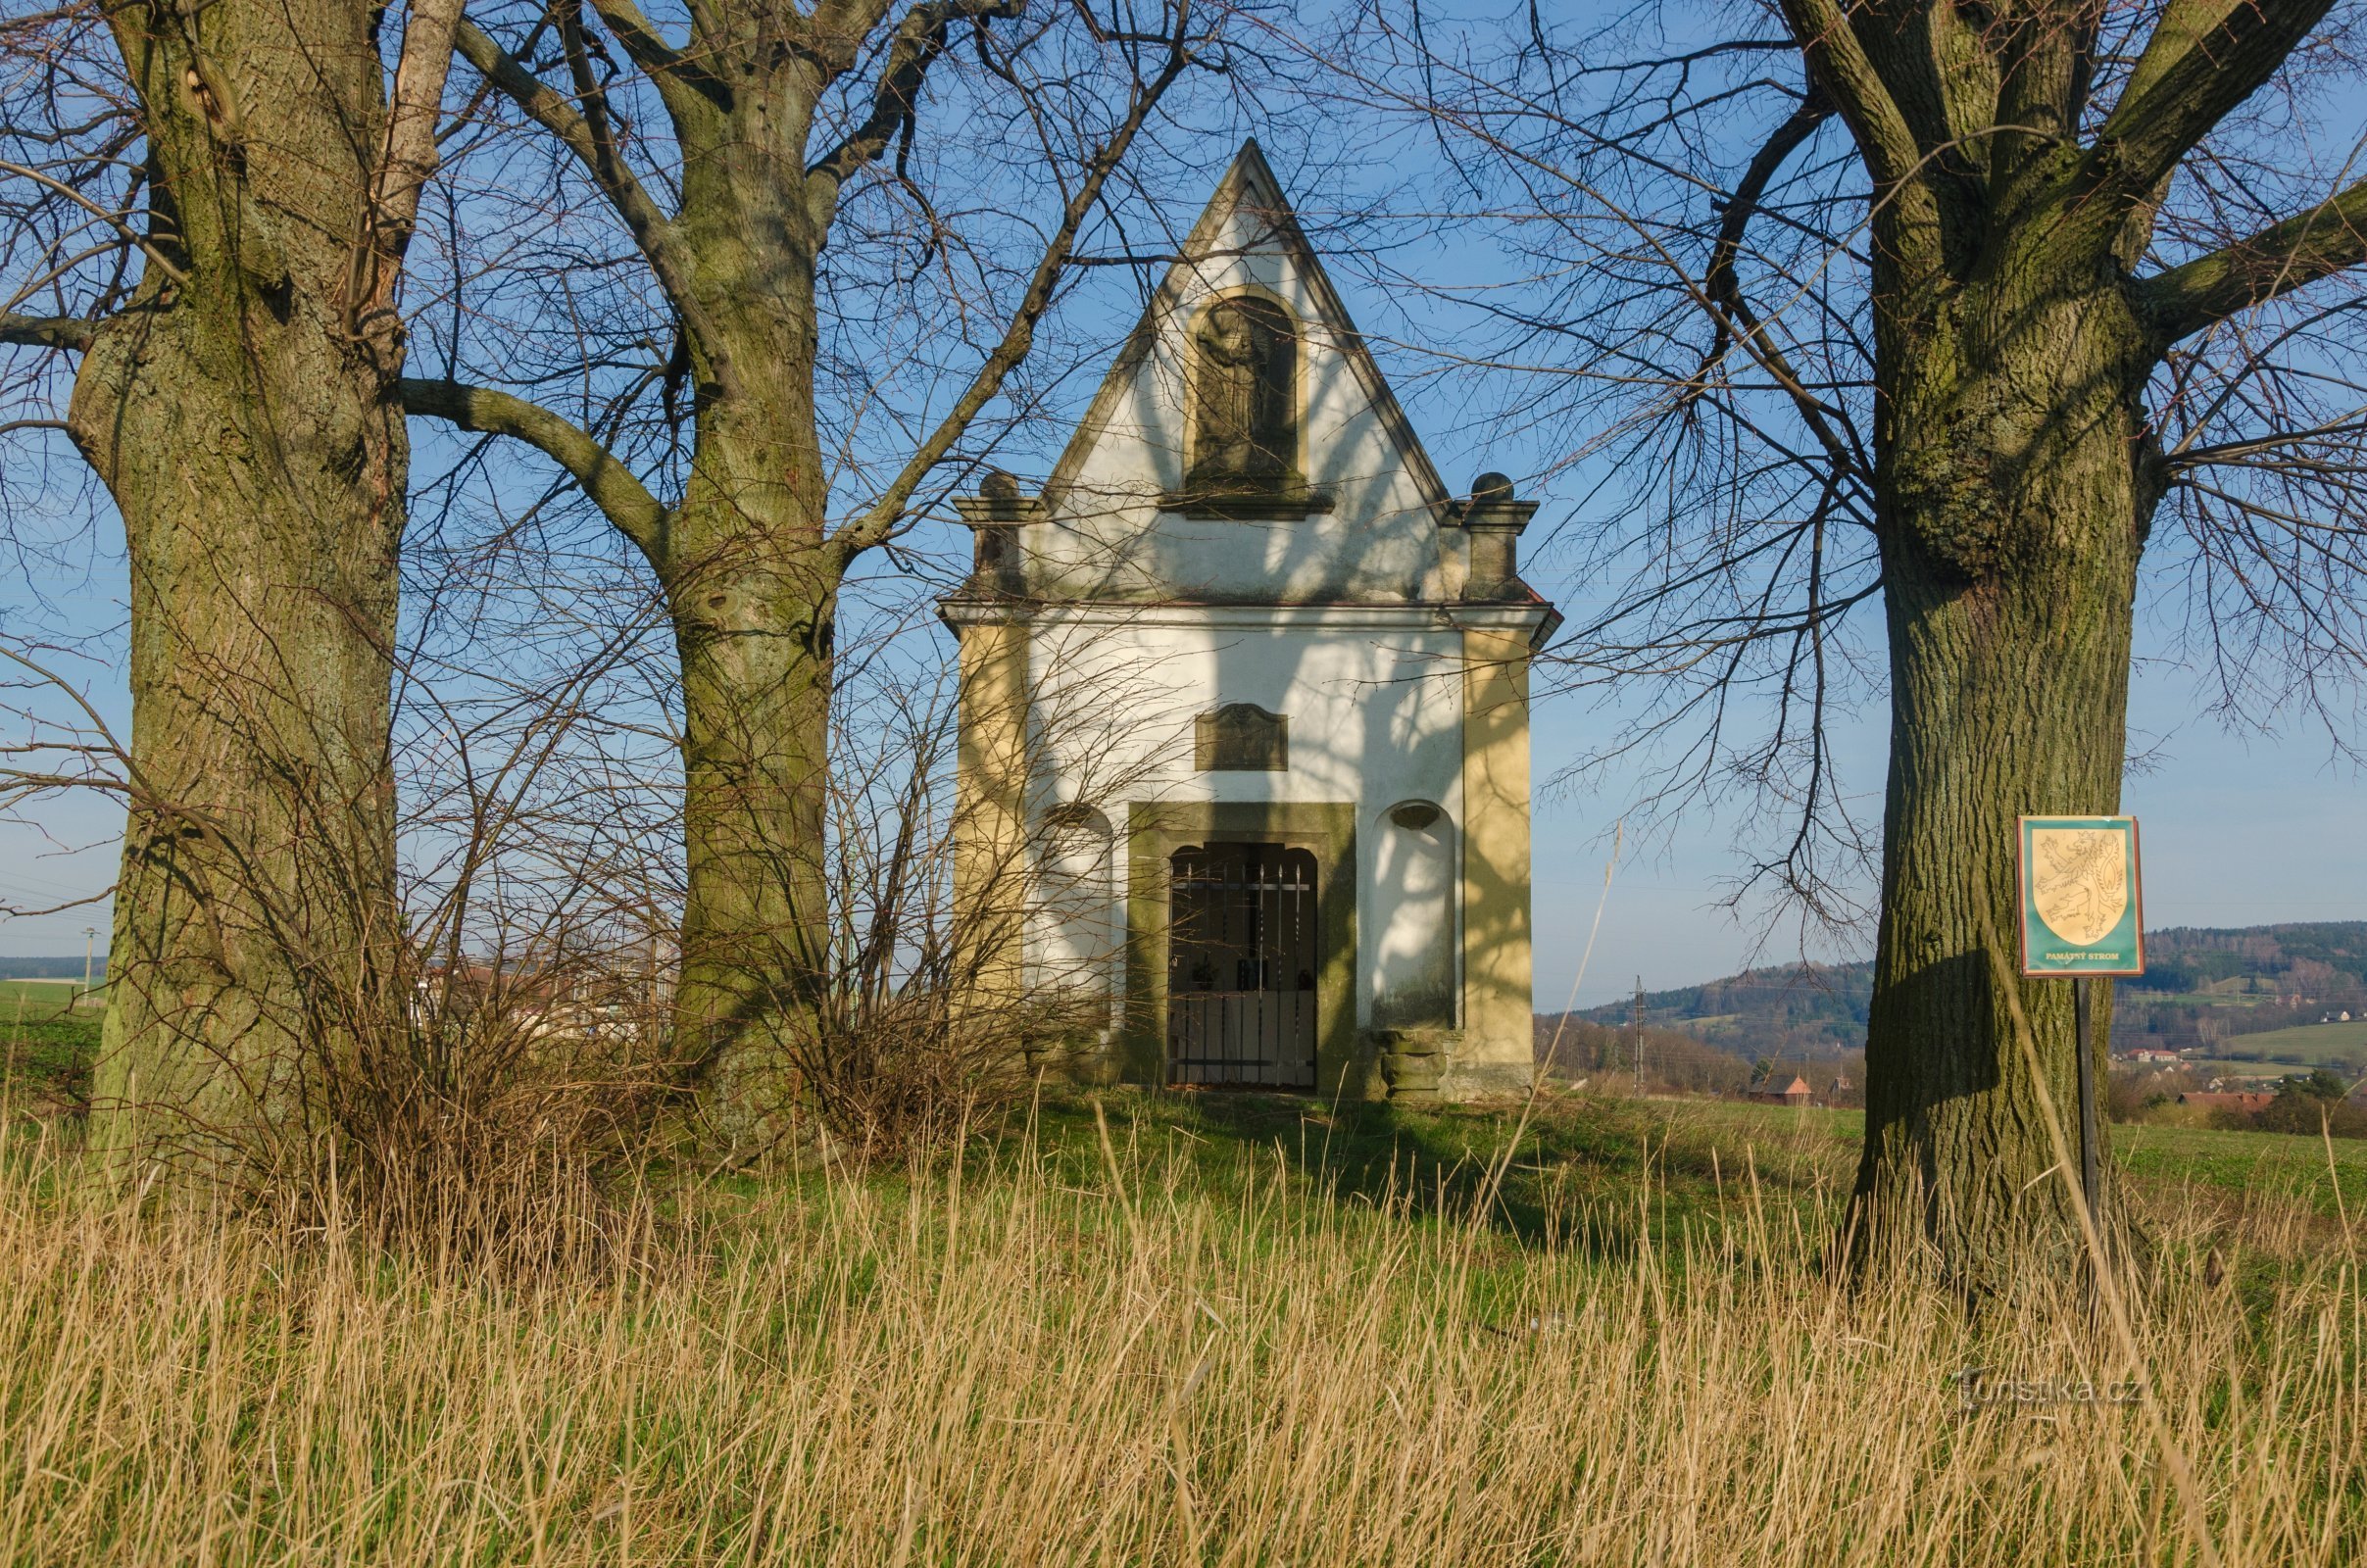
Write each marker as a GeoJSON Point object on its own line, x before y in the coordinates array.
{"type": "Point", "coordinates": [1413, 913]}
{"type": "Point", "coordinates": [1076, 921]}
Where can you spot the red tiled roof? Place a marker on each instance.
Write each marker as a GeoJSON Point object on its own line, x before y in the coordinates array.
{"type": "Point", "coordinates": [2247, 1100]}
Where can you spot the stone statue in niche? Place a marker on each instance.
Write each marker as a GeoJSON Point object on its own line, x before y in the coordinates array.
{"type": "Point", "coordinates": [1245, 415]}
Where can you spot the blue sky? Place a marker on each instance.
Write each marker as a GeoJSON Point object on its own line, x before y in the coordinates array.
{"type": "Point", "coordinates": [2234, 830]}
{"type": "Point", "coordinates": [2237, 829]}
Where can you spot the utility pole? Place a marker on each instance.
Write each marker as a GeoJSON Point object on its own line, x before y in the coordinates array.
{"type": "Point", "coordinates": [91, 939]}
{"type": "Point", "coordinates": [1636, 1036]}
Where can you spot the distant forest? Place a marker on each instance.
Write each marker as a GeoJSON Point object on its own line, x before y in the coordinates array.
{"type": "Point", "coordinates": [51, 968]}
{"type": "Point", "coordinates": [2200, 985]}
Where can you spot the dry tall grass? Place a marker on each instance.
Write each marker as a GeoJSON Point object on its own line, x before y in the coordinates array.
{"type": "Point", "coordinates": [1044, 1359]}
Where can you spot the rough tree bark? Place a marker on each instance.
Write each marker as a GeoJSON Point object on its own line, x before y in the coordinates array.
{"type": "Point", "coordinates": [749, 563]}
{"type": "Point", "coordinates": [2016, 482]}
{"type": "Point", "coordinates": [2015, 508]}
{"type": "Point", "coordinates": [243, 412]}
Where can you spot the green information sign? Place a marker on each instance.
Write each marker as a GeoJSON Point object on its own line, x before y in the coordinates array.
{"type": "Point", "coordinates": [2080, 909]}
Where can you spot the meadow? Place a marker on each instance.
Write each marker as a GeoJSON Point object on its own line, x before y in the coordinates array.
{"type": "Point", "coordinates": [36, 998]}
{"type": "Point", "coordinates": [1191, 1328]}
{"type": "Point", "coordinates": [2305, 1044]}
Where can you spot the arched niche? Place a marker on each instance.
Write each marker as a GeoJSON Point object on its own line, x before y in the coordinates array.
{"type": "Point", "coordinates": [1077, 923]}
{"type": "Point", "coordinates": [1411, 906]}
{"type": "Point", "coordinates": [1245, 398]}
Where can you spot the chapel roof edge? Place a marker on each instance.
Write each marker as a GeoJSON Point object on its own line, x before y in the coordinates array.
{"type": "Point", "coordinates": [1249, 173]}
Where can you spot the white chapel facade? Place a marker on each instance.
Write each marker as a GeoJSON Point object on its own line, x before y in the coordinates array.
{"type": "Point", "coordinates": [1245, 706]}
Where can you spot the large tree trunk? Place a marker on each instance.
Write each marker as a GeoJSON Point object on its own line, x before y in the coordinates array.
{"type": "Point", "coordinates": [752, 585]}
{"type": "Point", "coordinates": [756, 920]}
{"type": "Point", "coordinates": [750, 569]}
{"type": "Point", "coordinates": [2017, 489]}
{"type": "Point", "coordinates": [249, 435]}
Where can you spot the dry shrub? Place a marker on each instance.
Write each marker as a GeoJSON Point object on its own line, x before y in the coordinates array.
{"type": "Point", "coordinates": [453, 1118]}
{"type": "Point", "coordinates": [512, 1092]}
{"type": "Point", "coordinates": [906, 1072]}
{"type": "Point", "coordinates": [930, 1013]}
{"type": "Point", "coordinates": [2311, 1115]}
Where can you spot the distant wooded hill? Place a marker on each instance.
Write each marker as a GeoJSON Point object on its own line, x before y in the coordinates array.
{"type": "Point", "coordinates": [2201, 986]}
{"type": "Point", "coordinates": [43, 968]}
{"type": "Point", "coordinates": [1799, 1010]}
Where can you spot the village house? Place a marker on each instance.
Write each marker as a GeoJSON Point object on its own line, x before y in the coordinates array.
{"type": "Point", "coordinates": [538, 1002]}
{"type": "Point", "coordinates": [1245, 695]}
{"type": "Point", "coordinates": [2246, 1101]}
{"type": "Point", "coordinates": [1779, 1086]}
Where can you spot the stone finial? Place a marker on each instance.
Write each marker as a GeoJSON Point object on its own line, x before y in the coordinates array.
{"type": "Point", "coordinates": [1492, 520]}
{"type": "Point", "coordinates": [995, 515]}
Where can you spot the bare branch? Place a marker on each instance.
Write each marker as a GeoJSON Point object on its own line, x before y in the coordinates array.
{"type": "Point", "coordinates": [665, 64]}
{"type": "Point", "coordinates": [549, 107]}
{"type": "Point", "coordinates": [2277, 260]}
{"type": "Point", "coordinates": [880, 520]}
{"type": "Point", "coordinates": [156, 258]}
{"type": "Point", "coordinates": [1724, 290]}
{"type": "Point", "coordinates": [47, 331]}
{"type": "Point", "coordinates": [920, 39]}
{"type": "Point", "coordinates": [408, 158]}
{"type": "Point", "coordinates": [2204, 58]}
{"type": "Point", "coordinates": [1856, 89]}
{"type": "Point", "coordinates": [620, 497]}
{"type": "Point", "coordinates": [20, 913]}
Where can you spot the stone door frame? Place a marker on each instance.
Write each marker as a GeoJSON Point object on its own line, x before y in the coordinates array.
{"type": "Point", "coordinates": [1155, 831]}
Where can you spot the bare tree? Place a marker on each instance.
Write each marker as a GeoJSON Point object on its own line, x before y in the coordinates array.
{"type": "Point", "coordinates": [1959, 313]}
{"type": "Point", "coordinates": [210, 206]}
{"type": "Point", "coordinates": [537, 746]}
{"type": "Point", "coordinates": [958, 977]}
{"type": "Point", "coordinates": [784, 187]}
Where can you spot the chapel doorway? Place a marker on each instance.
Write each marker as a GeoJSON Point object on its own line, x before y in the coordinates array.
{"type": "Point", "coordinates": [1241, 966]}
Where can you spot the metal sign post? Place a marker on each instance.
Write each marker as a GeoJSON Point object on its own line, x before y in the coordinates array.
{"type": "Point", "coordinates": [2088, 1135]}
{"type": "Point", "coordinates": [2083, 917]}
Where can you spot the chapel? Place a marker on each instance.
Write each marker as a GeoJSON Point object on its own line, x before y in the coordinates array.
{"type": "Point", "coordinates": [1244, 707]}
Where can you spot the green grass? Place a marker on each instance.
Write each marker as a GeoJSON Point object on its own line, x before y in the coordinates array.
{"type": "Point", "coordinates": [1637, 1170]}
{"type": "Point", "coordinates": [2305, 1044]}
{"type": "Point", "coordinates": [45, 1050]}
{"type": "Point", "coordinates": [2266, 1073]}
{"type": "Point", "coordinates": [2267, 1165]}
{"type": "Point", "coordinates": [42, 997]}
{"type": "Point", "coordinates": [2201, 998]}
{"type": "Point", "coordinates": [1619, 1170]}
{"type": "Point", "coordinates": [1662, 1164]}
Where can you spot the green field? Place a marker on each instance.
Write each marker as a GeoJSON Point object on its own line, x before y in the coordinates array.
{"type": "Point", "coordinates": [2259, 1074]}
{"type": "Point", "coordinates": [2259, 1164]}
{"type": "Point", "coordinates": [40, 997]}
{"type": "Point", "coordinates": [2311, 1045]}
{"type": "Point", "coordinates": [1697, 1159]}
{"type": "Point", "coordinates": [46, 1046]}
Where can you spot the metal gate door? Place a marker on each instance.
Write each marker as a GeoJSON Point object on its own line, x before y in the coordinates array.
{"type": "Point", "coordinates": [1241, 966]}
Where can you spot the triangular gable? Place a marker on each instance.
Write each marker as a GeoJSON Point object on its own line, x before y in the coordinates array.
{"type": "Point", "coordinates": [1248, 184]}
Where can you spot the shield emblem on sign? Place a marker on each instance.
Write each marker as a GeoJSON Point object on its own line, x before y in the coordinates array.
{"type": "Point", "coordinates": [2079, 882]}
